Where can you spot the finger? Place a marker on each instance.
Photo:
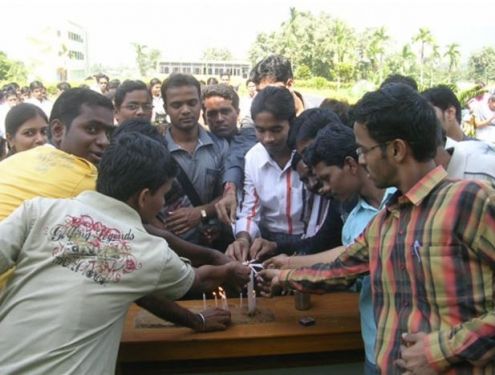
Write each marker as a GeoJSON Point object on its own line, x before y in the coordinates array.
{"type": "Point", "coordinates": [222, 213]}
{"type": "Point", "coordinates": [255, 248]}
{"type": "Point", "coordinates": [238, 252]}
{"type": "Point", "coordinates": [411, 338]}
{"type": "Point", "coordinates": [245, 251]}
{"type": "Point", "coordinates": [233, 210]}
{"type": "Point", "coordinates": [401, 363]}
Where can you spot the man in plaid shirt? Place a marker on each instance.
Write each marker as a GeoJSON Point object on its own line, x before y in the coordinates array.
{"type": "Point", "coordinates": [430, 253]}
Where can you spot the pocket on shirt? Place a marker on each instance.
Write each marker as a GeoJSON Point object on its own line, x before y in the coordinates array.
{"type": "Point", "coordinates": [446, 274]}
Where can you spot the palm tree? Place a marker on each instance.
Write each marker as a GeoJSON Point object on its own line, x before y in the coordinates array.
{"type": "Point", "coordinates": [376, 50]}
{"type": "Point", "coordinates": [424, 37]}
{"type": "Point", "coordinates": [454, 56]}
{"type": "Point", "coordinates": [407, 56]}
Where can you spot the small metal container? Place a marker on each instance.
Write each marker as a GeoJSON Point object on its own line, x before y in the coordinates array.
{"type": "Point", "coordinates": [302, 301]}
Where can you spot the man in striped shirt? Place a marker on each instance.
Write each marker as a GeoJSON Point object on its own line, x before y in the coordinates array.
{"type": "Point", "coordinates": [430, 253]}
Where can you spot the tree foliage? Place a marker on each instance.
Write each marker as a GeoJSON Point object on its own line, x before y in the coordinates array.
{"type": "Point", "coordinates": [12, 70]}
{"type": "Point", "coordinates": [146, 58]}
{"type": "Point", "coordinates": [482, 65]}
{"type": "Point", "coordinates": [325, 46]}
{"type": "Point", "coordinates": [216, 54]}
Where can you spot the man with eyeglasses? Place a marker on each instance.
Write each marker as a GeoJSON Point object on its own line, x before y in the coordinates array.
{"type": "Point", "coordinates": [132, 99]}
{"type": "Point", "coordinates": [430, 253]}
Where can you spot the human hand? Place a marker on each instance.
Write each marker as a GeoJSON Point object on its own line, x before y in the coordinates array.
{"type": "Point", "coordinates": [413, 355]}
{"type": "Point", "coordinates": [183, 219]}
{"type": "Point", "coordinates": [212, 320]}
{"type": "Point", "coordinates": [238, 250]}
{"type": "Point", "coordinates": [226, 207]}
{"type": "Point", "coordinates": [280, 261]}
{"type": "Point", "coordinates": [238, 275]}
{"type": "Point", "coordinates": [268, 282]}
{"type": "Point", "coordinates": [261, 249]}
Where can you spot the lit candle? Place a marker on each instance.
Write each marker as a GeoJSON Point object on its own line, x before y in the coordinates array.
{"type": "Point", "coordinates": [225, 304]}
{"type": "Point", "coordinates": [216, 301]}
{"type": "Point", "coordinates": [204, 301]}
{"type": "Point", "coordinates": [240, 300]}
{"type": "Point", "coordinates": [251, 294]}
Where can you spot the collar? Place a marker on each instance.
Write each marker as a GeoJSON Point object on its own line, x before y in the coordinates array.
{"type": "Point", "coordinates": [204, 139]}
{"type": "Point", "coordinates": [266, 159]}
{"type": "Point", "coordinates": [387, 195]}
{"type": "Point", "coordinates": [421, 189]}
{"type": "Point", "coordinates": [113, 207]}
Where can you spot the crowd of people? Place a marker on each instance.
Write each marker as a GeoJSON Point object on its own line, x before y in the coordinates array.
{"type": "Point", "coordinates": [132, 192]}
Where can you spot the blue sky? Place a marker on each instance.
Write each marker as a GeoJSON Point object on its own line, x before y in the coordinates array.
{"type": "Point", "coordinates": [182, 29]}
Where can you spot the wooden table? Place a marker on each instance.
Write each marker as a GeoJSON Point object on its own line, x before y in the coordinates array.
{"type": "Point", "coordinates": [336, 332]}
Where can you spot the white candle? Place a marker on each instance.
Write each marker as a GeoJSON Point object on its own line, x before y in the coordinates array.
{"type": "Point", "coordinates": [240, 300]}
{"type": "Point", "coordinates": [225, 304]}
{"type": "Point", "coordinates": [204, 301]}
{"type": "Point", "coordinates": [251, 294]}
{"type": "Point", "coordinates": [216, 301]}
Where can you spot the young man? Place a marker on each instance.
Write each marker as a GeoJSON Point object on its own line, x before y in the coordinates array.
{"type": "Point", "coordinates": [448, 111]}
{"type": "Point", "coordinates": [335, 162]}
{"type": "Point", "coordinates": [272, 202]}
{"type": "Point", "coordinates": [274, 70]}
{"type": "Point", "coordinates": [102, 81]}
{"type": "Point", "coordinates": [199, 154]}
{"type": "Point", "coordinates": [221, 110]}
{"type": "Point", "coordinates": [430, 253]}
{"type": "Point", "coordinates": [485, 119]}
{"type": "Point", "coordinates": [132, 99]}
{"type": "Point", "coordinates": [38, 97]}
{"type": "Point", "coordinates": [79, 126]}
{"type": "Point", "coordinates": [86, 260]}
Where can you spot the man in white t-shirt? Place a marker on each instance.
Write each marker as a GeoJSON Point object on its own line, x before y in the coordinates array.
{"type": "Point", "coordinates": [485, 120]}
{"type": "Point", "coordinates": [81, 262]}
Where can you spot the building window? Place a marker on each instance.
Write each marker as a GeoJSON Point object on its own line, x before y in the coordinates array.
{"type": "Point", "coordinates": [76, 55]}
{"type": "Point", "coordinates": [75, 37]}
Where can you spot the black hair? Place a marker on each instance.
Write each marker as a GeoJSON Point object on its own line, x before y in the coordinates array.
{"type": "Point", "coordinates": [63, 86]}
{"type": "Point", "coordinates": [141, 126]}
{"type": "Point", "coordinates": [114, 84]}
{"type": "Point", "coordinates": [36, 85]}
{"type": "Point", "coordinates": [276, 100]}
{"type": "Point", "coordinates": [275, 67]}
{"type": "Point", "coordinates": [179, 80]}
{"type": "Point", "coordinates": [100, 76]}
{"type": "Point", "coordinates": [309, 122]}
{"type": "Point", "coordinates": [133, 162]}
{"type": "Point", "coordinates": [68, 105]}
{"type": "Point", "coordinates": [126, 87]}
{"type": "Point", "coordinates": [398, 112]}
{"type": "Point", "coordinates": [399, 78]}
{"type": "Point", "coordinates": [153, 82]}
{"type": "Point", "coordinates": [21, 113]}
{"type": "Point", "coordinates": [443, 97]}
{"type": "Point", "coordinates": [340, 107]}
{"type": "Point", "coordinates": [212, 81]}
{"type": "Point", "coordinates": [332, 146]}
{"type": "Point", "coordinates": [223, 91]}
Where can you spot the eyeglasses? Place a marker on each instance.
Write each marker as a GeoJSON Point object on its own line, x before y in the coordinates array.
{"type": "Point", "coordinates": [363, 151]}
{"type": "Point", "coordinates": [135, 107]}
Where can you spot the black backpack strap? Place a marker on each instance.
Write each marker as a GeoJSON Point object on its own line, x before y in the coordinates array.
{"type": "Point", "coordinates": [188, 187]}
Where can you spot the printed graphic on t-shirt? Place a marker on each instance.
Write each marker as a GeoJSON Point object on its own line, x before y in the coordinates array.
{"type": "Point", "coordinates": [91, 248]}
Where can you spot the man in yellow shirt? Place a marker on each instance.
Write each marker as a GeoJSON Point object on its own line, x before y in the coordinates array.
{"type": "Point", "coordinates": [79, 125]}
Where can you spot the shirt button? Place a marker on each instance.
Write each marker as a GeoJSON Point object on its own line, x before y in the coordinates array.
{"type": "Point", "coordinates": [402, 266]}
{"type": "Point", "coordinates": [405, 304]}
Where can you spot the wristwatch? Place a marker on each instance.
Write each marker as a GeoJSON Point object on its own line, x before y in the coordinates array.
{"type": "Point", "coordinates": [204, 216]}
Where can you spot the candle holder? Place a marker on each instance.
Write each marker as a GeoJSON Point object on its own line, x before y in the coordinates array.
{"type": "Point", "coordinates": [302, 301]}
